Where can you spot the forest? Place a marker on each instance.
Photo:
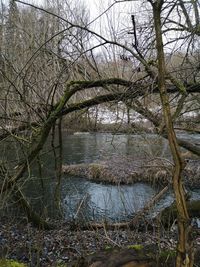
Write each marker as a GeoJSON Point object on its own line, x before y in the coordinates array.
{"type": "Point", "coordinates": [99, 131]}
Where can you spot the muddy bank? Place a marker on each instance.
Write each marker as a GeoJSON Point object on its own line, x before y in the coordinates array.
{"type": "Point", "coordinates": [128, 171]}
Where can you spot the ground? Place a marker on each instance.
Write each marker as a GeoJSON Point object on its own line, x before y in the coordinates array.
{"type": "Point", "coordinates": [24, 243]}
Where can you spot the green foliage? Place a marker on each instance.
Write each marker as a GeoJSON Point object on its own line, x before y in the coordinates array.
{"type": "Point", "coordinates": [11, 263]}
{"type": "Point", "coordinates": [164, 254]}
{"type": "Point", "coordinates": [108, 248]}
{"type": "Point", "coordinates": [136, 247]}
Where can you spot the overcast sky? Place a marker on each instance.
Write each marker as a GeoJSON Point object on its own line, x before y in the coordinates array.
{"type": "Point", "coordinates": [117, 17]}
{"type": "Point", "coordinates": [97, 7]}
{"type": "Point", "coordinates": [93, 5]}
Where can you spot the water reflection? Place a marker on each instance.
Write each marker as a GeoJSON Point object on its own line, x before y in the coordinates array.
{"type": "Point", "coordinates": [84, 199]}
{"type": "Point", "coordinates": [87, 200]}
{"type": "Point", "coordinates": [90, 147]}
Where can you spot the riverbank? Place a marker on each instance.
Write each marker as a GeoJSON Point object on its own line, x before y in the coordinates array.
{"type": "Point", "coordinates": [125, 170]}
{"type": "Point", "coordinates": [62, 246]}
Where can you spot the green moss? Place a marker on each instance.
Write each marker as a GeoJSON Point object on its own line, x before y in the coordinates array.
{"type": "Point", "coordinates": [136, 247]}
{"type": "Point", "coordinates": [11, 263]}
{"type": "Point", "coordinates": [167, 254]}
{"type": "Point", "coordinates": [108, 248]}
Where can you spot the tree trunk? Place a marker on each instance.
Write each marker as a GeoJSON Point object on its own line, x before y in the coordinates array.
{"type": "Point", "coordinates": [32, 216]}
{"type": "Point", "coordinates": [184, 256]}
{"type": "Point", "coordinates": [58, 160]}
{"type": "Point", "coordinates": [36, 147]}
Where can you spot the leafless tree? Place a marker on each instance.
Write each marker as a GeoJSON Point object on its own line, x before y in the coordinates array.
{"type": "Point", "coordinates": [56, 64]}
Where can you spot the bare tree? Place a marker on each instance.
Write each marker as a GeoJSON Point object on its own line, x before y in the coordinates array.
{"type": "Point", "coordinates": [59, 72]}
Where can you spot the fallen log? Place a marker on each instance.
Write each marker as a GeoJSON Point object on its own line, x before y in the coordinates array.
{"type": "Point", "coordinates": [122, 257]}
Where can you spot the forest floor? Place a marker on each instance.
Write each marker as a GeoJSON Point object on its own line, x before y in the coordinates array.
{"type": "Point", "coordinates": [24, 243]}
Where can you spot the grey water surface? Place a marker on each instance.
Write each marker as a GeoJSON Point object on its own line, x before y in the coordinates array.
{"type": "Point", "coordinates": [87, 200]}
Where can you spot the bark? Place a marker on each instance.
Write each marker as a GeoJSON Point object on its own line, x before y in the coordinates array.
{"type": "Point", "coordinates": [32, 216]}
{"type": "Point", "coordinates": [58, 165]}
{"type": "Point", "coordinates": [184, 247]}
{"type": "Point", "coordinates": [36, 147]}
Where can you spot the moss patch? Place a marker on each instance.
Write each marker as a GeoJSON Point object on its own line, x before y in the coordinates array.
{"type": "Point", "coordinates": [136, 247]}
{"type": "Point", "coordinates": [11, 263]}
{"type": "Point", "coordinates": [108, 248]}
{"type": "Point", "coordinates": [167, 254]}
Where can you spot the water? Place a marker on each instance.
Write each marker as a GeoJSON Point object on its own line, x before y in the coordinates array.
{"type": "Point", "coordinates": [83, 148]}
{"type": "Point", "coordinates": [91, 201]}
{"type": "Point", "coordinates": [83, 199]}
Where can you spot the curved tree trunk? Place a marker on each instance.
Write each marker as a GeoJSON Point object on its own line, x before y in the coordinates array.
{"type": "Point", "coordinates": [184, 247]}
{"type": "Point", "coordinates": [36, 147]}
{"type": "Point", "coordinates": [32, 216]}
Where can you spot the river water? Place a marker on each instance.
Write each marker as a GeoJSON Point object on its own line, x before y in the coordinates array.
{"type": "Point", "coordinates": [83, 199]}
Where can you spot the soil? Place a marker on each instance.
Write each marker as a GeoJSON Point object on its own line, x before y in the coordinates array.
{"type": "Point", "coordinates": [36, 247]}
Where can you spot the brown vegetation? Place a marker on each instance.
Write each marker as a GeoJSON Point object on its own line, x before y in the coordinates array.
{"type": "Point", "coordinates": [128, 171]}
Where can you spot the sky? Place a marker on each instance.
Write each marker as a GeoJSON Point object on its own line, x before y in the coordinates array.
{"type": "Point", "coordinates": [97, 7]}
{"type": "Point", "coordinates": [115, 19]}
{"type": "Point", "coordinates": [93, 5]}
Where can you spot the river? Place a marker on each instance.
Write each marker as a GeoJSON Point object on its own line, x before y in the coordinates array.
{"type": "Point", "coordinates": [86, 200]}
